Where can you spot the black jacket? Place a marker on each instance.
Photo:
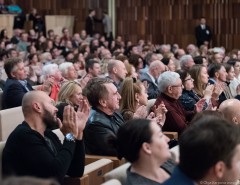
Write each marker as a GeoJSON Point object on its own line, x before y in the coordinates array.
{"type": "Point", "coordinates": [27, 154]}
{"type": "Point", "coordinates": [100, 127]}
{"type": "Point", "coordinates": [203, 34]}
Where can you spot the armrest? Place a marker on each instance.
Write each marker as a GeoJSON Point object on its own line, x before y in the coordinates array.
{"type": "Point", "coordinates": [84, 180]}
{"type": "Point", "coordinates": [112, 182]}
{"type": "Point", "coordinates": [92, 158]}
{"type": "Point", "coordinates": [171, 135]}
{"type": "Point", "coordinates": [96, 170]}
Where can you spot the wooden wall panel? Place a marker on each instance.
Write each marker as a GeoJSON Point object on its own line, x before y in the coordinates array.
{"type": "Point", "coordinates": [77, 8]}
{"type": "Point", "coordinates": [173, 21]}
{"type": "Point", "coordinates": [161, 21]}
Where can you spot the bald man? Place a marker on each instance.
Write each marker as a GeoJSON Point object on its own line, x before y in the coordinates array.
{"type": "Point", "coordinates": [32, 149]}
{"type": "Point", "coordinates": [151, 77]}
{"type": "Point", "coordinates": [117, 72]}
{"type": "Point", "coordinates": [230, 109]}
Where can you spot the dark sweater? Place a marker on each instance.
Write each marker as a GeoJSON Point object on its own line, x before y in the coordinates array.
{"type": "Point", "coordinates": [27, 154]}
{"type": "Point", "coordinates": [177, 118]}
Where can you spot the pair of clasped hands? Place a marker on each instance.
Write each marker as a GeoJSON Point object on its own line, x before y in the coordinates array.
{"type": "Point", "coordinates": [158, 114]}
{"type": "Point", "coordinates": [75, 121]}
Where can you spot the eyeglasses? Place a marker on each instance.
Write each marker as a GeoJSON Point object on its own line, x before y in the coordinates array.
{"type": "Point", "coordinates": [188, 79]}
{"type": "Point", "coordinates": [177, 86]}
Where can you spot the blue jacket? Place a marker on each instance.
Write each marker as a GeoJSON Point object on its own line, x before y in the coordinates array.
{"type": "Point", "coordinates": [13, 93]}
{"type": "Point", "coordinates": [178, 178]}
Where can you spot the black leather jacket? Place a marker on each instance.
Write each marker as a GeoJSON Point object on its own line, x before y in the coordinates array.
{"type": "Point", "coordinates": [97, 131]}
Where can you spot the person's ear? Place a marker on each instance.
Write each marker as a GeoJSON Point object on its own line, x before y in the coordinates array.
{"type": "Point", "coordinates": [146, 148]}
{"type": "Point", "coordinates": [169, 89]}
{"type": "Point", "coordinates": [103, 102]}
{"type": "Point", "coordinates": [13, 74]}
{"type": "Point", "coordinates": [36, 106]}
{"type": "Point", "coordinates": [219, 169]}
{"type": "Point", "coordinates": [217, 74]}
{"type": "Point", "coordinates": [114, 70]}
{"type": "Point", "coordinates": [234, 120]}
{"type": "Point", "coordinates": [137, 97]}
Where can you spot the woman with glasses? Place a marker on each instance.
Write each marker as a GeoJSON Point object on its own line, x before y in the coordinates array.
{"type": "Point", "coordinates": [188, 98]}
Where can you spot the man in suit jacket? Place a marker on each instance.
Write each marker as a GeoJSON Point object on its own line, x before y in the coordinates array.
{"type": "Point", "coordinates": [16, 85]}
{"type": "Point", "coordinates": [203, 33]}
{"type": "Point", "coordinates": [151, 77]}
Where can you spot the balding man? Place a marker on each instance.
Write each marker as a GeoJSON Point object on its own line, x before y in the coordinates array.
{"type": "Point", "coordinates": [151, 77]}
{"type": "Point", "coordinates": [230, 109]}
{"type": "Point", "coordinates": [117, 72]}
{"type": "Point", "coordinates": [32, 149]}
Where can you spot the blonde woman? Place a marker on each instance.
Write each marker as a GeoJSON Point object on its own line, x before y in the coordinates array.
{"type": "Point", "coordinates": [70, 94]}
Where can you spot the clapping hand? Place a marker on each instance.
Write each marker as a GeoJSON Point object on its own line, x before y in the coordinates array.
{"type": "Point", "coordinates": [82, 116]}
{"type": "Point", "coordinates": [160, 113]}
{"type": "Point", "coordinates": [68, 125]}
{"type": "Point", "coordinates": [141, 112]}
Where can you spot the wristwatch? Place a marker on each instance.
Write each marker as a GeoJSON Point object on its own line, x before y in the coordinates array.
{"type": "Point", "coordinates": [70, 137]}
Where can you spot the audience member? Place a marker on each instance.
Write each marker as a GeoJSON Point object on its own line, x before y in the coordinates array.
{"type": "Point", "coordinates": [134, 101]}
{"type": "Point", "coordinates": [189, 98]}
{"type": "Point", "coordinates": [104, 121]}
{"type": "Point", "coordinates": [144, 145]}
{"type": "Point", "coordinates": [151, 78]}
{"type": "Point", "coordinates": [186, 62]}
{"type": "Point", "coordinates": [68, 71]}
{"type": "Point", "coordinates": [34, 150]}
{"type": "Point", "coordinates": [116, 72]}
{"type": "Point", "coordinates": [16, 85]}
{"type": "Point", "coordinates": [54, 77]}
{"type": "Point", "coordinates": [218, 74]}
{"type": "Point", "coordinates": [230, 109]}
{"type": "Point", "coordinates": [3, 7]}
{"type": "Point", "coordinates": [70, 94]}
{"type": "Point", "coordinates": [169, 63]}
{"type": "Point", "coordinates": [170, 87]}
{"type": "Point", "coordinates": [209, 153]}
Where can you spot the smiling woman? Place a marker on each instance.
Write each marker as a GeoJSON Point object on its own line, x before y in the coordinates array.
{"type": "Point", "coordinates": [70, 94]}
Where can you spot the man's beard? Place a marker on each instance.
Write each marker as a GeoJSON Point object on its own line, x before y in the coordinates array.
{"type": "Point", "coordinates": [49, 120]}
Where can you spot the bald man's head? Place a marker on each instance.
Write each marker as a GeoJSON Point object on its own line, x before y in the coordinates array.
{"type": "Point", "coordinates": [230, 109]}
{"type": "Point", "coordinates": [29, 98]}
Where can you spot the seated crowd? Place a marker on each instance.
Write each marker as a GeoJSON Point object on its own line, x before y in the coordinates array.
{"type": "Point", "coordinates": [117, 100]}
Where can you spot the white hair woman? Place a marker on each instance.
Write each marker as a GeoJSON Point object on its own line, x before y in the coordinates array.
{"type": "Point", "coordinates": [68, 71]}
{"type": "Point", "coordinates": [52, 75]}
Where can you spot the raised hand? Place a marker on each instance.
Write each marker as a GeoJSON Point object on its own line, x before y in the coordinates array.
{"type": "Point", "coordinates": [68, 124]}
{"type": "Point", "coordinates": [199, 105]}
{"type": "Point", "coordinates": [141, 112]}
{"type": "Point", "coordinates": [82, 116]}
{"type": "Point", "coordinates": [208, 91]}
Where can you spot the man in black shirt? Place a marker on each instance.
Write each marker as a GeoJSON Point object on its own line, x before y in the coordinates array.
{"type": "Point", "coordinates": [32, 149]}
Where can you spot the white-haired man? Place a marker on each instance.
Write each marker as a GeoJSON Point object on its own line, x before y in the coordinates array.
{"type": "Point", "coordinates": [186, 62]}
{"type": "Point", "coordinates": [170, 86]}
